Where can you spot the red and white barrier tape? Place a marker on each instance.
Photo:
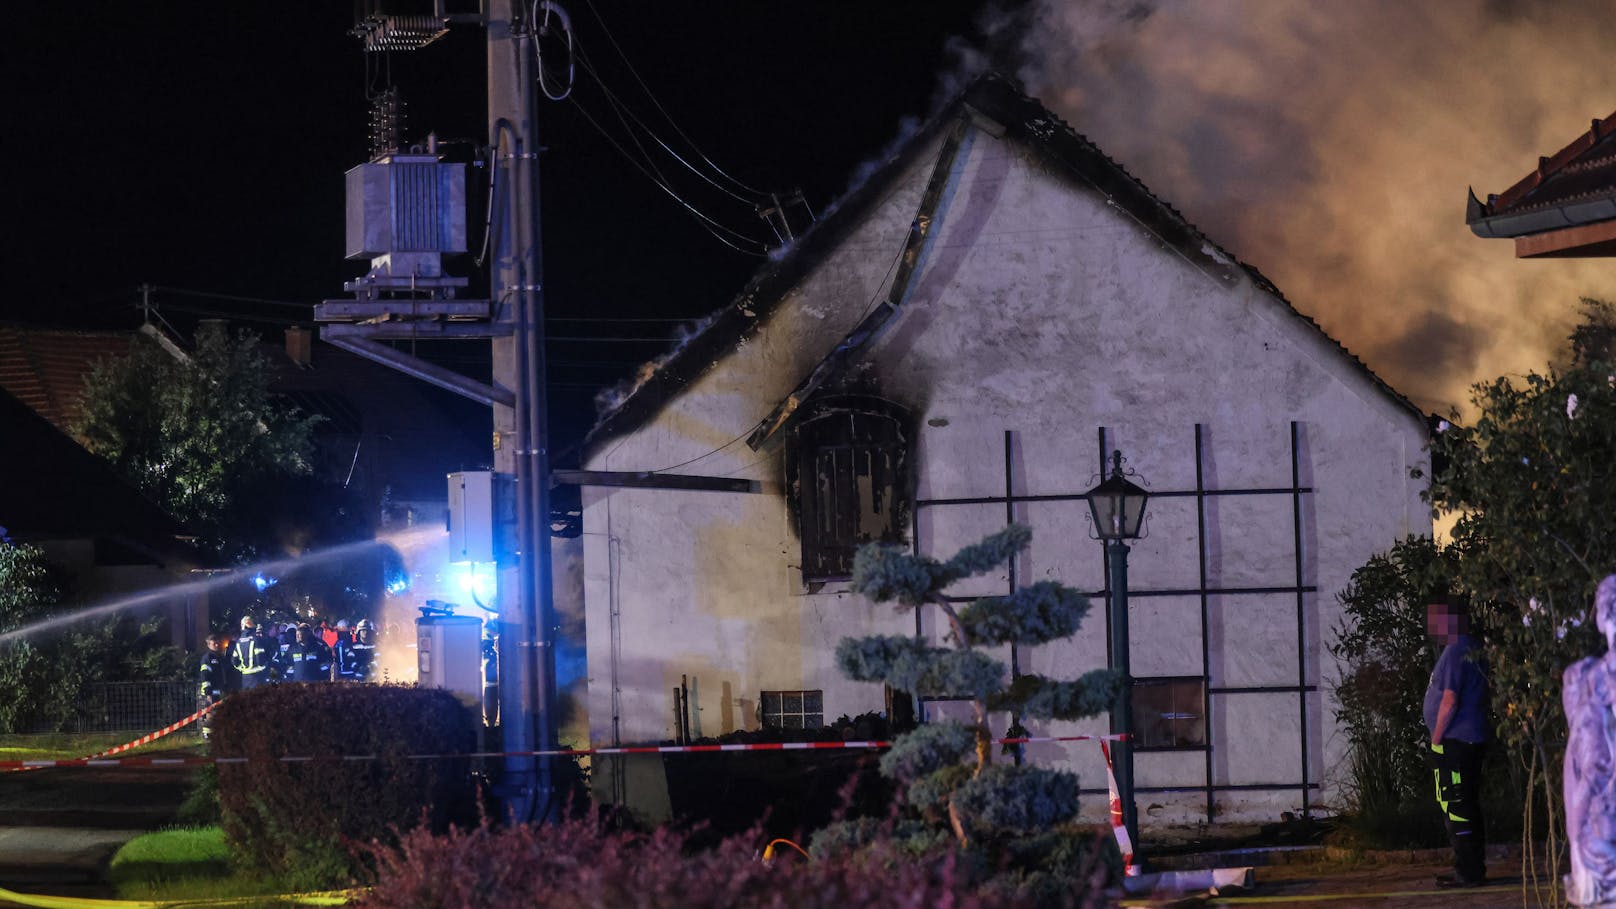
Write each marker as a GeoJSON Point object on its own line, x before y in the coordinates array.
{"type": "Point", "coordinates": [1118, 828]}
{"type": "Point", "coordinates": [104, 760]}
{"type": "Point", "coordinates": [95, 760]}
{"type": "Point", "coordinates": [101, 760]}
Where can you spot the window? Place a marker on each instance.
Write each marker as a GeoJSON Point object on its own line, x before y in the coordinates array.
{"type": "Point", "coordinates": [793, 709]}
{"type": "Point", "coordinates": [850, 469]}
{"type": "Point", "coordinates": [1169, 713]}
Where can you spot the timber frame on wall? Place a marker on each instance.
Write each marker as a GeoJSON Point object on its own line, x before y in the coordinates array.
{"type": "Point", "coordinates": [1297, 591]}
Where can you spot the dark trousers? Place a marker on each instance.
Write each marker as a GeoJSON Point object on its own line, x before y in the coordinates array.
{"type": "Point", "coordinates": [1457, 766]}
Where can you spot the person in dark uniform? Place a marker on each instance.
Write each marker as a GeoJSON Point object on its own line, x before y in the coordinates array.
{"type": "Point", "coordinates": [364, 651]}
{"type": "Point", "coordinates": [1456, 715]}
{"type": "Point", "coordinates": [306, 659]}
{"type": "Point", "coordinates": [213, 674]}
{"type": "Point", "coordinates": [252, 656]}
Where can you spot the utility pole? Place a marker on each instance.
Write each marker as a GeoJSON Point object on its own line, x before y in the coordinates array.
{"type": "Point", "coordinates": [521, 432]}
{"type": "Point", "coordinates": [387, 214]}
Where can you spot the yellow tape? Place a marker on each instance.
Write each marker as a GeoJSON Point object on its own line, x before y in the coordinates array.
{"type": "Point", "coordinates": [45, 901]}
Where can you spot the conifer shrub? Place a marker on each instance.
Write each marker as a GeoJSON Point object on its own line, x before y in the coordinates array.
{"type": "Point", "coordinates": [282, 816]}
{"type": "Point", "coordinates": [1019, 821]}
{"type": "Point", "coordinates": [583, 864]}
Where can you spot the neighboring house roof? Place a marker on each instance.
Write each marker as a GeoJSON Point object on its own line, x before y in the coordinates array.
{"type": "Point", "coordinates": [54, 489]}
{"type": "Point", "coordinates": [1564, 208]}
{"type": "Point", "coordinates": [427, 433]}
{"type": "Point", "coordinates": [1023, 119]}
{"type": "Point", "coordinates": [45, 367]}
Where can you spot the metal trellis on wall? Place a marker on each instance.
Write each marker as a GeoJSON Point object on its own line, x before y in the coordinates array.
{"type": "Point", "coordinates": [1204, 592]}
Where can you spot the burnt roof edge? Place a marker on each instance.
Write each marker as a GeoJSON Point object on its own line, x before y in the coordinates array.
{"type": "Point", "coordinates": [1000, 100]}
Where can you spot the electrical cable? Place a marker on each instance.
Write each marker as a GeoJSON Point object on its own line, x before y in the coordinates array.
{"type": "Point", "coordinates": [617, 103]}
{"type": "Point", "coordinates": [667, 116]}
{"type": "Point", "coordinates": [538, 55]}
{"type": "Point", "coordinates": [712, 226]}
{"type": "Point", "coordinates": [700, 457]}
{"type": "Point", "coordinates": [210, 295]}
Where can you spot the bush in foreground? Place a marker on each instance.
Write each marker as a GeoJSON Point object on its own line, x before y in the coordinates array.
{"type": "Point", "coordinates": [582, 864]}
{"type": "Point", "coordinates": [296, 816]}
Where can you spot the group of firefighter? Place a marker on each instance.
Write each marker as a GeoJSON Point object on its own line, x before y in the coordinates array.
{"type": "Point", "coordinates": [291, 653]}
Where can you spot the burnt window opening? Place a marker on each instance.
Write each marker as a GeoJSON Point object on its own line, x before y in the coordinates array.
{"type": "Point", "coordinates": [793, 709]}
{"type": "Point", "coordinates": [851, 485]}
{"type": "Point", "coordinates": [1169, 713]}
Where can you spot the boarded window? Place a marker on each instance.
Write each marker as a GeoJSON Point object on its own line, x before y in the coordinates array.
{"type": "Point", "coordinates": [852, 482]}
{"type": "Point", "coordinates": [793, 709]}
{"type": "Point", "coordinates": [1169, 713]}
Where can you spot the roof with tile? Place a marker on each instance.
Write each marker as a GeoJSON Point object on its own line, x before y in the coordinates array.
{"type": "Point", "coordinates": [1026, 120]}
{"type": "Point", "coordinates": [45, 368]}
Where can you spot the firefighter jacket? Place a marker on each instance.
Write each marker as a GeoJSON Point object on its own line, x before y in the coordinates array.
{"type": "Point", "coordinates": [254, 658]}
{"type": "Point", "coordinates": [354, 660]}
{"type": "Point", "coordinates": [310, 662]}
{"type": "Point", "coordinates": [212, 673]}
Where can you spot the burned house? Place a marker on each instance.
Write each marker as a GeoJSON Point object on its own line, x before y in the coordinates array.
{"type": "Point", "coordinates": [961, 343]}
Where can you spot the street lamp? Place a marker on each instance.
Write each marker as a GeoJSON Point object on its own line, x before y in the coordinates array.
{"type": "Point", "coordinates": [1119, 509]}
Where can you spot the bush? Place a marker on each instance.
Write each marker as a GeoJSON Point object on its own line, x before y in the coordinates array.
{"type": "Point", "coordinates": [583, 865]}
{"type": "Point", "coordinates": [284, 816]}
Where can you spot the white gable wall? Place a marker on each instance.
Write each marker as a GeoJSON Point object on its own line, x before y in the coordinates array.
{"type": "Point", "coordinates": [1043, 311]}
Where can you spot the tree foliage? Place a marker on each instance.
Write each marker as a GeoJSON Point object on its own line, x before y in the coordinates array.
{"type": "Point", "coordinates": [1533, 484]}
{"type": "Point", "coordinates": [44, 675]}
{"type": "Point", "coordinates": [1385, 657]}
{"type": "Point", "coordinates": [935, 762]}
{"type": "Point", "coordinates": [201, 436]}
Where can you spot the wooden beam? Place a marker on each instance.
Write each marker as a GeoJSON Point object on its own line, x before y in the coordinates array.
{"type": "Point", "coordinates": [648, 480]}
{"type": "Point", "coordinates": [1584, 241]}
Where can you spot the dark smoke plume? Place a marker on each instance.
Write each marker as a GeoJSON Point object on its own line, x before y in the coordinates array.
{"type": "Point", "coordinates": [1330, 145]}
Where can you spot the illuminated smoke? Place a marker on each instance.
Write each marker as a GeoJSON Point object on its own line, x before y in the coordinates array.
{"type": "Point", "coordinates": [1330, 145]}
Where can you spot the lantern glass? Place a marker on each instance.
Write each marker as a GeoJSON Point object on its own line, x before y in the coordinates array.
{"type": "Point", "coordinates": [1118, 507]}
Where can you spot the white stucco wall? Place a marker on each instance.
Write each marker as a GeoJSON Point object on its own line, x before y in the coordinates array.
{"type": "Point", "coordinates": [1041, 311]}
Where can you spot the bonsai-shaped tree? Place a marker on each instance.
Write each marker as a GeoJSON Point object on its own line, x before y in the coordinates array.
{"type": "Point", "coordinates": [947, 768]}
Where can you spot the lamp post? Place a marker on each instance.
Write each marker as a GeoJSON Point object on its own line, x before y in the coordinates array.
{"type": "Point", "coordinates": [1119, 510]}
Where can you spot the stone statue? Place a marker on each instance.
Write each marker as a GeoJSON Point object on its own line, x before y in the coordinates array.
{"type": "Point", "coordinates": [1589, 692]}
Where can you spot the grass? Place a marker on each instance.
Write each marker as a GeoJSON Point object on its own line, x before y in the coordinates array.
{"type": "Point", "coordinates": [190, 852]}
{"type": "Point", "coordinates": [61, 746]}
{"type": "Point", "coordinates": [187, 864]}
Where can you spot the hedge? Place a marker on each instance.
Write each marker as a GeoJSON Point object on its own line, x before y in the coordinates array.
{"type": "Point", "coordinates": [282, 816]}
{"type": "Point", "coordinates": [583, 864]}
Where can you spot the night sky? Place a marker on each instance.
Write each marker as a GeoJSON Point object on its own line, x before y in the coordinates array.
{"type": "Point", "coordinates": [201, 146]}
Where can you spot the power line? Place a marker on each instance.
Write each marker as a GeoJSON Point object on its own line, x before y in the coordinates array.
{"type": "Point", "coordinates": [667, 116]}
{"type": "Point", "coordinates": [210, 295]}
{"type": "Point", "coordinates": [713, 227]}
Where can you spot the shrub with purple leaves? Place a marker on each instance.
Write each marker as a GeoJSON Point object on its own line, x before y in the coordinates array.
{"type": "Point", "coordinates": [582, 864]}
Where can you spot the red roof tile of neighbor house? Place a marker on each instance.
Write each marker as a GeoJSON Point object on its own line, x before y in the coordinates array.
{"type": "Point", "coordinates": [1566, 207]}
{"type": "Point", "coordinates": [45, 367]}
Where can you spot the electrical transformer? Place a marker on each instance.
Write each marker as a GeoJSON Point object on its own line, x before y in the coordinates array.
{"type": "Point", "coordinates": [405, 211]}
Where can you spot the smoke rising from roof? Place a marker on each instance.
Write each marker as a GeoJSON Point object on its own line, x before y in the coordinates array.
{"type": "Point", "coordinates": [1330, 145]}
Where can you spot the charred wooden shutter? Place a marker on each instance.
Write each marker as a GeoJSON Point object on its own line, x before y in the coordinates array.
{"type": "Point", "coordinates": [852, 478]}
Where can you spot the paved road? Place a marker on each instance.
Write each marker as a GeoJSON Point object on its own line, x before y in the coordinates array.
{"type": "Point", "coordinates": [60, 827]}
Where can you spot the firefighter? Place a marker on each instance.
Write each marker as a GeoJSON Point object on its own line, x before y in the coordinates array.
{"type": "Point", "coordinates": [212, 674]}
{"type": "Point", "coordinates": [252, 656]}
{"type": "Point", "coordinates": [362, 653]}
{"type": "Point", "coordinates": [306, 659]}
